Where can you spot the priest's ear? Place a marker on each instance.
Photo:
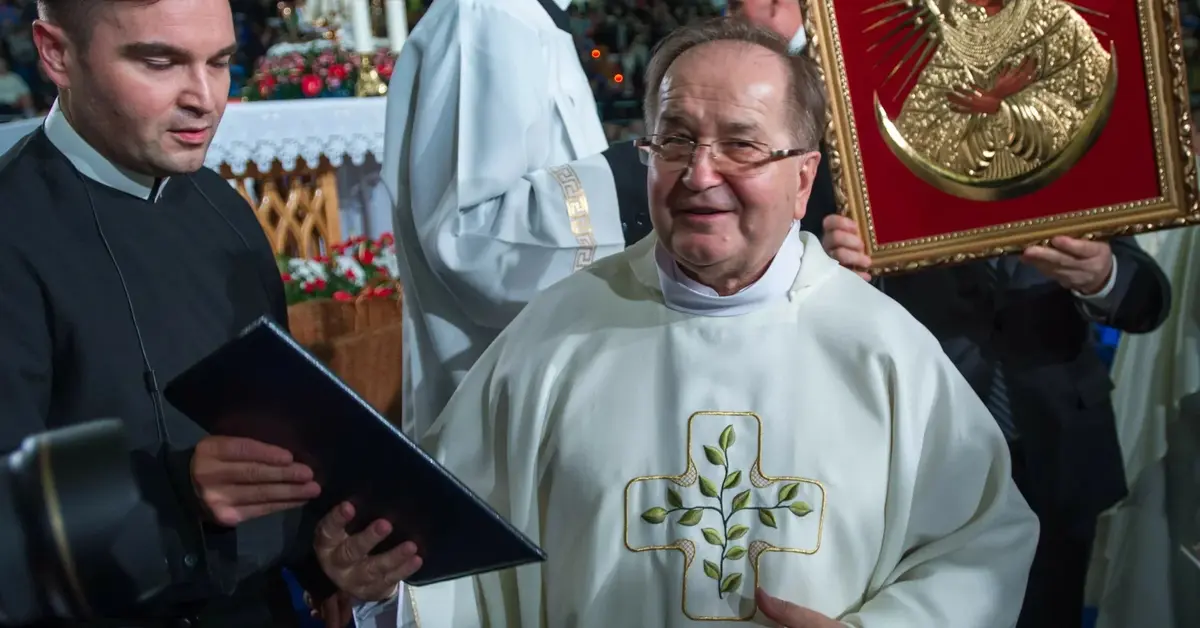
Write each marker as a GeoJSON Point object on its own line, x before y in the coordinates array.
{"type": "Point", "coordinates": [807, 164]}
{"type": "Point", "coordinates": [56, 51]}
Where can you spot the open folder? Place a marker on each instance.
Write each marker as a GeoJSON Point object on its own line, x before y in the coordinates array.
{"type": "Point", "coordinates": [263, 385]}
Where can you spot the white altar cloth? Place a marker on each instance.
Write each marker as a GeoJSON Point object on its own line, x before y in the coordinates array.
{"type": "Point", "coordinates": [346, 131]}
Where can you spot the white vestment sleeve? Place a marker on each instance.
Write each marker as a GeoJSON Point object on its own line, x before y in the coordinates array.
{"type": "Point", "coordinates": [960, 538]}
{"type": "Point", "coordinates": [472, 125]}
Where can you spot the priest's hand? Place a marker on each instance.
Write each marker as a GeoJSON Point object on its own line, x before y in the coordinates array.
{"type": "Point", "coordinates": [789, 615]}
{"type": "Point", "coordinates": [1084, 266]}
{"type": "Point", "coordinates": [238, 479]}
{"type": "Point", "coordinates": [347, 561]}
{"type": "Point", "coordinates": [843, 243]}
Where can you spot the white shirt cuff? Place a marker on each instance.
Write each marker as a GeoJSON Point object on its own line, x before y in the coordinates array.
{"type": "Point", "coordinates": [381, 614]}
{"type": "Point", "coordinates": [1102, 295]}
{"type": "Point", "coordinates": [799, 41]}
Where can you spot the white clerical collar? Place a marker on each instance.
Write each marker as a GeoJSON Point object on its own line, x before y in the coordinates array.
{"type": "Point", "coordinates": [684, 294]}
{"type": "Point", "coordinates": [799, 41]}
{"type": "Point", "coordinates": [563, 4]}
{"type": "Point", "coordinates": [93, 165]}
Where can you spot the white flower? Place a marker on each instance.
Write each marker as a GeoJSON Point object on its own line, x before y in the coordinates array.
{"type": "Point", "coordinates": [386, 259]}
{"type": "Point", "coordinates": [349, 268]}
{"type": "Point", "coordinates": [306, 270]}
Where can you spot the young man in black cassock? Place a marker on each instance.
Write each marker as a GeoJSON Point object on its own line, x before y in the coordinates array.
{"type": "Point", "coordinates": [120, 255]}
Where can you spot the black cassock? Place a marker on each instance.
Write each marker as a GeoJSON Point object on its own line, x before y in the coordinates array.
{"type": "Point", "coordinates": [198, 268]}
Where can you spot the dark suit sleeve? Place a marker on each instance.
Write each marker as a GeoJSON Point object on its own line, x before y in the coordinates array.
{"type": "Point", "coordinates": [25, 351]}
{"type": "Point", "coordinates": [283, 539]}
{"type": "Point", "coordinates": [1141, 296]}
{"type": "Point", "coordinates": [629, 177]}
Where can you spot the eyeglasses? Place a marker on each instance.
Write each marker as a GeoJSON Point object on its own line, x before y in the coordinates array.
{"type": "Point", "coordinates": [728, 156]}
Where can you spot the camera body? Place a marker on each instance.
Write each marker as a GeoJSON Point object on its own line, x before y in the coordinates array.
{"type": "Point", "coordinates": [77, 541]}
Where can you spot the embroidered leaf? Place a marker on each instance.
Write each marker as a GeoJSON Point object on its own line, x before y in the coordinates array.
{"type": "Point", "coordinates": [655, 515]}
{"type": "Point", "coordinates": [731, 582]}
{"type": "Point", "coordinates": [714, 455]}
{"type": "Point", "coordinates": [691, 517]}
{"type": "Point", "coordinates": [767, 518]}
{"type": "Point", "coordinates": [738, 531]}
{"type": "Point", "coordinates": [673, 498]}
{"type": "Point", "coordinates": [711, 570]}
{"type": "Point", "coordinates": [800, 508]}
{"type": "Point", "coordinates": [707, 488]}
{"type": "Point", "coordinates": [735, 552]}
{"type": "Point", "coordinates": [727, 438]}
{"type": "Point", "coordinates": [788, 492]}
{"type": "Point", "coordinates": [712, 536]}
{"type": "Point", "coordinates": [741, 500]}
{"type": "Point", "coordinates": [733, 479]}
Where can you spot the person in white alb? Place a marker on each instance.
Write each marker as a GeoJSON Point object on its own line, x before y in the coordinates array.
{"type": "Point", "coordinates": [502, 180]}
{"type": "Point", "coordinates": [721, 424]}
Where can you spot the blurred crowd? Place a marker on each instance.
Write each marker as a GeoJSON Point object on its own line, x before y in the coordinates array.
{"type": "Point", "coordinates": [615, 38]}
{"type": "Point", "coordinates": [24, 90]}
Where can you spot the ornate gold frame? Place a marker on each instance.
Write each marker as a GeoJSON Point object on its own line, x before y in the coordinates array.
{"type": "Point", "coordinates": [1170, 107]}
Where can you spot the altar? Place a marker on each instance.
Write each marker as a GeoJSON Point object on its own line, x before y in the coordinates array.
{"type": "Point", "coordinates": [309, 168]}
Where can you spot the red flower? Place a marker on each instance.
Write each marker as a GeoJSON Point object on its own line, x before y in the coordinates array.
{"type": "Point", "coordinates": [387, 239]}
{"type": "Point", "coordinates": [319, 283]}
{"type": "Point", "coordinates": [342, 295]}
{"type": "Point", "coordinates": [383, 291]}
{"type": "Point", "coordinates": [310, 85]}
{"type": "Point", "coordinates": [337, 72]}
{"type": "Point", "coordinates": [366, 256]}
{"type": "Point", "coordinates": [309, 287]}
{"type": "Point", "coordinates": [286, 277]}
{"type": "Point", "coordinates": [382, 271]}
{"type": "Point", "coordinates": [350, 274]}
{"type": "Point", "coordinates": [266, 85]}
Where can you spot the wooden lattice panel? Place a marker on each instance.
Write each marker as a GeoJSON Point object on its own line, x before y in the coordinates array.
{"type": "Point", "coordinates": [298, 208]}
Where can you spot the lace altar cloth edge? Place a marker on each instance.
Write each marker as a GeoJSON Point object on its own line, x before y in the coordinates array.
{"type": "Point", "coordinates": [258, 133]}
{"type": "Point", "coordinates": [335, 128]}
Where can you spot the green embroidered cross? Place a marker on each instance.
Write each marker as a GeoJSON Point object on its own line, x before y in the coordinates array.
{"type": "Point", "coordinates": [722, 509]}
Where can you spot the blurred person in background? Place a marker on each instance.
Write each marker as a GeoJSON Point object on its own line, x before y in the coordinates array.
{"type": "Point", "coordinates": [16, 100]}
{"type": "Point", "coordinates": [502, 180]}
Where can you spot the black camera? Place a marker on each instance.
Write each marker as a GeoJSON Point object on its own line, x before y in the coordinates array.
{"type": "Point", "coordinates": [76, 539]}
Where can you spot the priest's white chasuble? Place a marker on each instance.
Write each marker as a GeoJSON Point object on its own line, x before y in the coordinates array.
{"type": "Point", "coordinates": [820, 446]}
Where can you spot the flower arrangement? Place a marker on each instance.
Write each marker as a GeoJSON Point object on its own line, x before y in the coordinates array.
{"type": "Point", "coordinates": [345, 308]}
{"type": "Point", "coordinates": [359, 268]}
{"type": "Point", "coordinates": [324, 73]}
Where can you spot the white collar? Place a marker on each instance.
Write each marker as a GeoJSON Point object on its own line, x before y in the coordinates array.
{"type": "Point", "coordinates": [684, 294]}
{"type": "Point", "coordinates": [563, 4]}
{"type": "Point", "coordinates": [799, 41]}
{"type": "Point", "coordinates": [95, 166]}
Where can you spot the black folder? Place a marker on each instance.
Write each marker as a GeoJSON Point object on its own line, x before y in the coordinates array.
{"type": "Point", "coordinates": [265, 386]}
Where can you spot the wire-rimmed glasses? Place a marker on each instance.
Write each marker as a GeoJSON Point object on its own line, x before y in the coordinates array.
{"type": "Point", "coordinates": [728, 156]}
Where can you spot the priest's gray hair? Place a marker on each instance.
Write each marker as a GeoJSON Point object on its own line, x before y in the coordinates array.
{"type": "Point", "coordinates": [806, 92]}
{"type": "Point", "coordinates": [75, 16]}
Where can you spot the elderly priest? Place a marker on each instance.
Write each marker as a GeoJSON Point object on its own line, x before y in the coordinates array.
{"type": "Point", "coordinates": [721, 424]}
